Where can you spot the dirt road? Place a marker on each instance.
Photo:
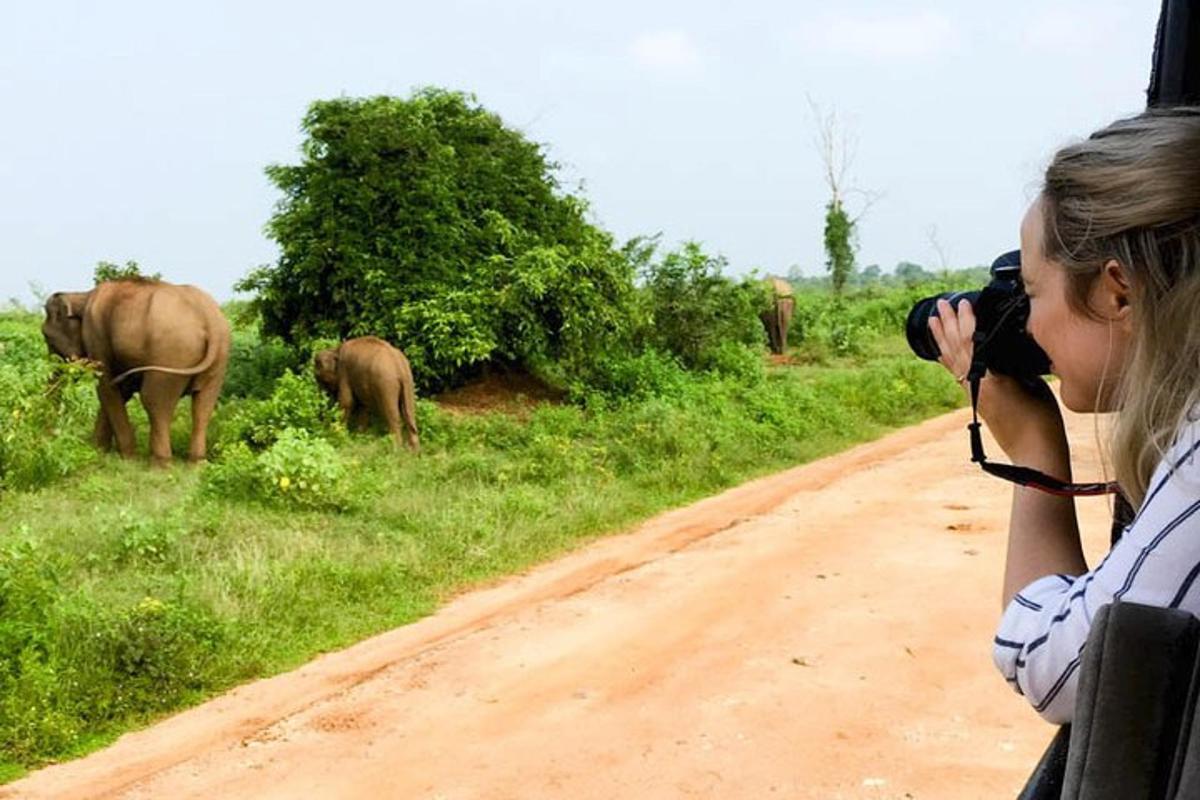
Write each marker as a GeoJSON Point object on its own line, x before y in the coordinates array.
{"type": "Point", "coordinates": [821, 633]}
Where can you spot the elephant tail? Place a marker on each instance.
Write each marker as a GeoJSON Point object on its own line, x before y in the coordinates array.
{"type": "Point", "coordinates": [210, 356]}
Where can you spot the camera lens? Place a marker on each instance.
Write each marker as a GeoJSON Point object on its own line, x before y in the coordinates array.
{"type": "Point", "coordinates": [916, 328]}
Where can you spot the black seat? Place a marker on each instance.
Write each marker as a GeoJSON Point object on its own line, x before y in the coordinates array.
{"type": "Point", "coordinates": [1132, 737]}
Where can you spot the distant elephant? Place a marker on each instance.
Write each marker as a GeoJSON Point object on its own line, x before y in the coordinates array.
{"type": "Point", "coordinates": [369, 375]}
{"type": "Point", "coordinates": [147, 336]}
{"type": "Point", "coordinates": [779, 316]}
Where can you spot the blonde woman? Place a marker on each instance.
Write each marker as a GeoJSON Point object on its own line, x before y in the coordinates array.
{"type": "Point", "coordinates": [1110, 258]}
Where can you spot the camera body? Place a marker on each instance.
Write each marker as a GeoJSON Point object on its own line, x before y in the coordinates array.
{"type": "Point", "coordinates": [1001, 311]}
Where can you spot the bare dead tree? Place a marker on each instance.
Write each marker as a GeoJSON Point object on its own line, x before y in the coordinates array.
{"type": "Point", "coordinates": [837, 145]}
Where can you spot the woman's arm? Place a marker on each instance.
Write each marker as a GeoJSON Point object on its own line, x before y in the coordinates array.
{"type": "Point", "coordinates": [1043, 536]}
{"type": "Point", "coordinates": [1043, 532]}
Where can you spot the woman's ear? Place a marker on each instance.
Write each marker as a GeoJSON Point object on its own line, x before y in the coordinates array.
{"type": "Point", "coordinates": [1113, 294]}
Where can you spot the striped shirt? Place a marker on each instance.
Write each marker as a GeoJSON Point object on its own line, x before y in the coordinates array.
{"type": "Point", "coordinates": [1039, 644]}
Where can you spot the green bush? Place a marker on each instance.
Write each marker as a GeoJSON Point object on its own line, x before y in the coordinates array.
{"type": "Point", "coordinates": [296, 403]}
{"type": "Point", "coordinates": [159, 651]}
{"type": "Point", "coordinates": [428, 222]}
{"type": "Point", "coordinates": [108, 271]}
{"type": "Point", "coordinates": [47, 410]}
{"type": "Point", "coordinates": [305, 471]}
{"type": "Point", "coordinates": [622, 377]}
{"type": "Point", "coordinates": [692, 308]}
{"type": "Point", "coordinates": [68, 665]}
{"type": "Point", "coordinates": [256, 364]}
{"type": "Point", "coordinates": [737, 361]}
{"type": "Point", "coordinates": [298, 470]}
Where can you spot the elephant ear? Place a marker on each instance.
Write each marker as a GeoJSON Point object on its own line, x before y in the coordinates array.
{"type": "Point", "coordinates": [61, 302]}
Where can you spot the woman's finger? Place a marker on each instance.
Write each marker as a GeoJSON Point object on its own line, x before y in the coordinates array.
{"type": "Point", "coordinates": [952, 333]}
{"type": "Point", "coordinates": [939, 336]}
{"type": "Point", "coordinates": [966, 320]}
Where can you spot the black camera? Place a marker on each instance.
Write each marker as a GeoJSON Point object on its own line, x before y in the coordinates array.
{"type": "Point", "coordinates": [1001, 310]}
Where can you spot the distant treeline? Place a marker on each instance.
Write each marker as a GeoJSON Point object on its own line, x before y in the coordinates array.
{"type": "Point", "coordinates": [905, 273]}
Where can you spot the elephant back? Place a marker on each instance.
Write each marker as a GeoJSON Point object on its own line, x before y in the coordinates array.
{"type": "Point", "coordinates": [148, 325]}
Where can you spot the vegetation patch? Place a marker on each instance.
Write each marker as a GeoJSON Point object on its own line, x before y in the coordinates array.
{"type": "Point", "coordinates": [127, 593]}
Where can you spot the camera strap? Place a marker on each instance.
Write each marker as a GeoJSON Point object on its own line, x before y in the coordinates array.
{"type": "Point", "coordinates": [1022, 476]}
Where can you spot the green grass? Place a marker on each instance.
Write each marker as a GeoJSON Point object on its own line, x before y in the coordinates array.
{"type": "Point", "coordinates": [127, 593]}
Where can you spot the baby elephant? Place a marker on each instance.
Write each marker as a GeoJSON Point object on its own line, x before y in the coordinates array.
{"type": "Point", "coordinates": [368, 374]}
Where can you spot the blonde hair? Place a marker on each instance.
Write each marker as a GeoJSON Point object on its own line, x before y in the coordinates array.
{"type": "Point", "coordinates": [1131, 193]}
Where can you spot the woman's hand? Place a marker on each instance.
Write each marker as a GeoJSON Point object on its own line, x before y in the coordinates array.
{"type": "Point", "coordinates": [1023, 416]}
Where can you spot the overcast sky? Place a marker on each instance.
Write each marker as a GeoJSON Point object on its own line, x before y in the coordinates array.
{"type": "Point", "coordinates": [139, 130]}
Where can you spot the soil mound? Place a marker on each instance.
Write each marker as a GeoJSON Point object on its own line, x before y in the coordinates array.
{"type": "Point", "coordinates": [511, 392]}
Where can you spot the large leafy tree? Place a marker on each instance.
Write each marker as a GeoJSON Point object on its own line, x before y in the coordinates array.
{"type": "Point", "coordinates": [428, 222]}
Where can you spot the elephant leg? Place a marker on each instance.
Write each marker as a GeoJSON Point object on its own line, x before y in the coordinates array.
{"type": "Point", "coordinates": [345, 400]}
{"type": "Point", "coordinates": [389, 405]}
{"type": "Point", "coordinates": [408, 410]}
{"type": "Point", "coordinates": [160, 395]}
{"type": "Point", "coordinates": [203, 403]}
{"type": "Point", "coordinates": [779, 329]}
{"type": "Point", "coordinates": [772, 331]}
{"type": "Point", "coordinates": [786, 307]}
{"type": "Point", "coordinates": [112, 408]}
{"type": "Point", "coordinates": [102, 433]}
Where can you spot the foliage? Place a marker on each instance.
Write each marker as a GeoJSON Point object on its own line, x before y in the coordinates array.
{"type": "Point", "coordinates": [256, 364]}
{"type": "Point", "coordinates": [305, 471]}
{"type": "Point", "coordinates": [108, 271]}
{"type": "Point", "coordinates": [905, 274]}
{"type": "Point", "coordinates": [839, 244]}
{"type": "Point", "coordinates": [295, 403]}
{"type": "Point", "coordinates": [47, 408]}
{"type": "Point", "coordinates": [298, 470]}
{"type": "Point", "coordinates": [69, 667]}
{"type": "Point", "coordinates": [693, 309]}
{"type": "Point", "coordinates": [428, 222]}
{"type": "Point", "coordinates": [626, 377]}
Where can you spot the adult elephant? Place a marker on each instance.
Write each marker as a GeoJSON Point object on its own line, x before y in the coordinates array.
{"type": "Point", "coordinates": [149, 337]}
{"type": "Point", "coordinates": [369, 375]}
{"type": "Point", "coordinates": [778, 317]}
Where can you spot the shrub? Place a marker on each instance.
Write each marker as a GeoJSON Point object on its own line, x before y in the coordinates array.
{"type": "Point", "coordinates": [256, 364]}
{"type": "Point", "coordinates": [47, 410]}
{"type": "Point", "coordinates": [108, 271]}
{"type": "Point", "coordinates": [296, 402]}
{"type": "Point", "coordinates": [429, 222]}
{"type": "Point", "coordinates": [298, 470]}
{"type": "Point", "coordinates": [737, 361]}
{"type": "Point", "coordinates": [305, 471]}
{"type": "Point", "coordinates": [159, 650]}
{"type": "Point", "coordinates": [68, 664]}
{"type": "Point", "coordinates": [692, 308]}
{"type": "Point", "coordinates": [623, 377]}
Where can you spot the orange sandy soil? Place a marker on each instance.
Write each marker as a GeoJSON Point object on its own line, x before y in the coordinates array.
{"type": "Point", "coordinates": [820, 633]}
